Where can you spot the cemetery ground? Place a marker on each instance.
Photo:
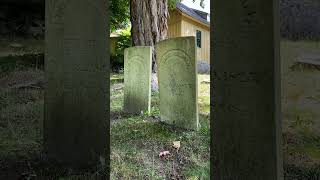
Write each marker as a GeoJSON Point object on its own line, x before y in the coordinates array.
{"type": "Point", "coordinates": [136, 141]}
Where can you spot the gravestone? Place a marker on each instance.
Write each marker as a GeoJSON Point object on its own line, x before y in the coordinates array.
{"type": "Point", "coordinates": [246, 112]}
{"type": "Point", "coordinates": [137, 79]}
{"type": "Point", "coordinates": [176, 60]}
{"type": "Point", "coordinates": [77, 75]}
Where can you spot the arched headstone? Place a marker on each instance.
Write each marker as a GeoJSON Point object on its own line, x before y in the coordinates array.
{"type": "Point", "coordinates": [177, 72]}
{"type": "Point", "coordinates": [137, 79]}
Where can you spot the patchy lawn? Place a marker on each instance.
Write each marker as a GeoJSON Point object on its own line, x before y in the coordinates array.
{"type": "Point", "coordinates": [136, 141]}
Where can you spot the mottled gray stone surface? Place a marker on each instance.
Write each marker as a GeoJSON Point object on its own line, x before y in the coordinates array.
{"type": "Point", "coordinates": [137, 79]}
{"type": "Point", "coordinates": [203, 67]}
{"type": "Point", "coordinates": [246, 112]}
{"type": "Point", "coordinates": [154, 82]}
{"type": "Point", "coordinates": [77, 75]}
{"type": "Point", "coordinates": [177, 73]}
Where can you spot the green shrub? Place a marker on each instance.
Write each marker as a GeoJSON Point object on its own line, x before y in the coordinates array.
{"type": "Point", "coordinates": [123, 42]}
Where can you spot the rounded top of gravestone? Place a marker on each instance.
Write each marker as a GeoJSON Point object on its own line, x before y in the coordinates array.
{"type": "Point", "coordinates": [177, 42]}
{"type": "Point", "coordinates": [135, 47]}
{"type": "Point", "coordinates": [181, 37]}
{"type": "Point", "coordinates": [177, 39]}
{"type": "Point", "coordinates": [16, 45]}
{"type": "Point", "coordinates": [139, 47]}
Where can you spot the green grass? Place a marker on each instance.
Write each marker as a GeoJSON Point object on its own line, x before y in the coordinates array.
{"type": "Point", "coordinates": [20, 113]}
{"type": "Point", "coordinates": [204, 94]}
{"type": "Point", "coordinates": [136, 142]}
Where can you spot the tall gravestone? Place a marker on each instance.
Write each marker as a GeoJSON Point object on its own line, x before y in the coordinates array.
{"type": "Point", "coordinates": [177, 77]}
{"type": "Point", "coordinates": [77, 73]}
{"type": "Point", "coordinates": [246, 113]}
{"type": "Point", "coordinates": [137, 79]}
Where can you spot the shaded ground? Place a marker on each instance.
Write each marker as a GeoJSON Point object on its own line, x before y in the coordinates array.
{"type": "Point", "coordinates": [20, 46]}
{"type": "Point", "coordinates": [300, 105]}
{"type": "Point", "coordinates": [136, 141]}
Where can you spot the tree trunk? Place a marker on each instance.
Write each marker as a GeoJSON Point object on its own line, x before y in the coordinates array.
{"type": "Point", "coordinates": [149, 23]}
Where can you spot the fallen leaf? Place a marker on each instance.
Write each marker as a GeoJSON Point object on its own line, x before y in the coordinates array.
{"type": "Point", "coordinates": [164, 153]}
{"type": "Point", "coordinates": [176, 144]}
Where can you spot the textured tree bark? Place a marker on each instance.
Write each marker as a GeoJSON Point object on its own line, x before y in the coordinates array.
{"type": "Point", "coordinates": [149, 23]}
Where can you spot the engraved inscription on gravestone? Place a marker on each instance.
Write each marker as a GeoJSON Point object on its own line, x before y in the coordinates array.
{"type": "Point", "coordinates": [178, 82]}
{"type": "Point", "coordinates": [246, 116]}
{"type": "Point", "coordinates": [76, 108]}
{"type": "Point", "coordinates": [137, 79]}
{"type": "Point", "coordinates": [249, 20]}
{"type": "Point", "coordinates": [55, 11]}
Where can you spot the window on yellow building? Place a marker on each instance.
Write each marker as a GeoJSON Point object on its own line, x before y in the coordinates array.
{"type": "Point", "coordinates": [198, 35]}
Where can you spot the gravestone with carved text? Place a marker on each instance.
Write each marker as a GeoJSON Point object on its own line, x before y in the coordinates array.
{"type": "Point", "coordinates": [77, 74]}
{"type": "Point", "coordinates": [246, 112]}
{"type": "Point", "coordinates": [137, 79]}
{"type": "Point", "coordinates": [176, 60]}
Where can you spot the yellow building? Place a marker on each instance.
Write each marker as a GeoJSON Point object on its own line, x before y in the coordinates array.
{"type": "Point", "coordinates": [185, 21]}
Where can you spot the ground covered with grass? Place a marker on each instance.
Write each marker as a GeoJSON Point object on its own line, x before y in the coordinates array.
{"type": "Point", "coordinates": [300, 109]}
{"type": "Point", "coordinates": [136, 141]}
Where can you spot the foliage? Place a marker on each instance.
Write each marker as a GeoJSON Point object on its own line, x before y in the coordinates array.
{"type": "Point", "coordinates": [123, 42]}
{"type": "Point", "coordinates": [120, 14]}
{"type": "Point", "coordinates": [172, 4]}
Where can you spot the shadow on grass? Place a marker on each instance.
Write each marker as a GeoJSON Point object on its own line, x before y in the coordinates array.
{"type": "Point", "coordinates": [295, 173]}
{"type": "Point", "coordinates": [35, 168]}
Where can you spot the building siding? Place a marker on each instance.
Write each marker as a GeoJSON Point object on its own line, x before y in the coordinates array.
{"type": "Point", "coordinates": [181, 25]}
{"type": "Point", "coordinates": [174, 25]}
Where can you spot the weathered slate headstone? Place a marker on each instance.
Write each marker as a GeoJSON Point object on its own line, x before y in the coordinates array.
{"type": "Point", "coordinates": [176, 60]}
{"type": "Point", "coordinates": [137, 79]}
{"type": "Point", "coordinates": [77, 92]}
{"type": "Point", "coordinates": [246, 113]}
{"type": "Point", "coordinates": [309, 58]}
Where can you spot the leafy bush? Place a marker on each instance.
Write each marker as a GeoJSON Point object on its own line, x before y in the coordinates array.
{"type": "Point", "coordinates": [123, 42]}
{"type": "Point", "coordinates": [120, 14]}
